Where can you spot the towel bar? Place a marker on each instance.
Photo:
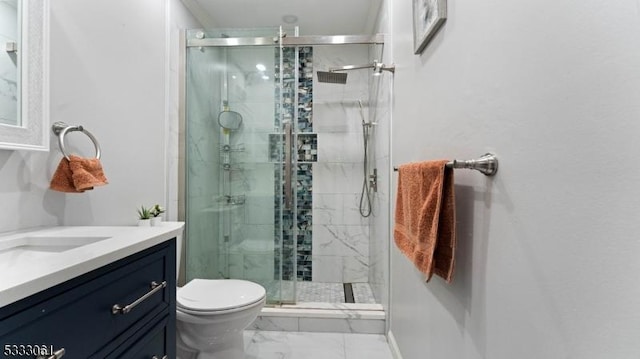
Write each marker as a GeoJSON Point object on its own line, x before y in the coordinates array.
{"type": "Point", "coordinates": [487, 164]}
{"type": "Point", "coordinates": [61, 129]}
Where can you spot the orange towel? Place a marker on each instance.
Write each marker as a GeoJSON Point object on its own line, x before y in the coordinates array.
{"type": "Point", "coordinates": [87, 172]}
{"type": "Point", "coordinates": [62, 180]}
{"type": "Point", "coordinates": [425, 217]}
{"type": "Point", "coordinates": [77, 175]}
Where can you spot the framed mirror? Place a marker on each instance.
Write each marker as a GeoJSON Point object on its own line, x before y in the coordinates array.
{"type": "Point", "coordinates": [24, 77]}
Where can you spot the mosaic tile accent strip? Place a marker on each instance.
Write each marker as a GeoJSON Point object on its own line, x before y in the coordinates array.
{"type": "Point", "coordinates": [303, 231]}
{"type": "Point", "coordinates": [305, 89]}
{"type": "Point", "coordinates": [288, 85]}
{"type": "Point", "coordinates": [276, 147]}
{"type": "Point", "coordinates": [307, 147]}
{"type": "Point", "coordinates": [307, 151]}
{"type": "Point", "coordinates": [304, 210]}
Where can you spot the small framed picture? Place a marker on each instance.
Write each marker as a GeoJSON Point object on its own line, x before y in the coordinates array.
{"type": "Point", "coordinates": [428, 16]}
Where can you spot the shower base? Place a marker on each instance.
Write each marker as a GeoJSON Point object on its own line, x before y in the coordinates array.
{"type": "Point", "coordinates": [333, 293]}
{"type": "Point", "coordinates": [321, 307]}
{"type": "Point", "coordinates": [319, 292]}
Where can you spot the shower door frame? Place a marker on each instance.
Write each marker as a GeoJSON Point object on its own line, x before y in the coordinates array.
{"type": "Point", "coordinates": [282, 41]}
{"type": "Point", "coordinates": [311, 40]}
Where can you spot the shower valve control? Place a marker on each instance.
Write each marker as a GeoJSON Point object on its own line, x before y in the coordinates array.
{"type": "Point", "coordinates": [373, 180]}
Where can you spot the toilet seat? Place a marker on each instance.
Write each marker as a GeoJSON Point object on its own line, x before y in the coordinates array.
{"type": "Point", "coordinates": [211, 296]}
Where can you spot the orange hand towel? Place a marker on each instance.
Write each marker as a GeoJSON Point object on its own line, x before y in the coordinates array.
{"type": "Point", "coordinates": [62, 180]}
{"type": "Point", "coordinates": [77, 175]}
{"type": "Point", "coordinates": [424, 228]}
{"type": "Point", "coordinates": [86, 173]}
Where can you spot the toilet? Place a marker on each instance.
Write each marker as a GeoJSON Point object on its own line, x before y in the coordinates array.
{"type": "Point", "coordinates": [212, 315]}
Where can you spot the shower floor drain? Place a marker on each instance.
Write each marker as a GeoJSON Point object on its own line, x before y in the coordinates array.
{"type": "Point", "coordinates": [348, 293]}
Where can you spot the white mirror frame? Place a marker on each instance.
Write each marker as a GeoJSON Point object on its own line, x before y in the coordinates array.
{"type": "Point", "coordinates": [33, 131]}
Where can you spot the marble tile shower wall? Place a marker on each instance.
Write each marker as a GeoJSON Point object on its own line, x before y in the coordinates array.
{"type": "Point", "coordinates": [333, 239]}
{"type": "Point", "coordinates": [340, 234]}
{"type": "Point", "coordinates": [8, 68]}
{"type": "Point", "coordinates": [251, 246]}
{"type": "Point", "coordinates": [203, 163]}
{"type": "Point", "coordinates": [380, 105]}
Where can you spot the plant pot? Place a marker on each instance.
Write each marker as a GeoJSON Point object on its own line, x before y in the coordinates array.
{"type": "Point", "coordinates": [156, 221]}
{"type": "Point", "coordinates": [144, 223]}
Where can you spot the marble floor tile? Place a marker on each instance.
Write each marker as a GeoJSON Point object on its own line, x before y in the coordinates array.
{"type": "Point", "coordinates": [320, 292]}
{"type": "Point", "coordinates": [301, 345]}
{"type": "Point", "coordinates": [295, 345]}
{"type": "Point", "coordinates": [370, 346]}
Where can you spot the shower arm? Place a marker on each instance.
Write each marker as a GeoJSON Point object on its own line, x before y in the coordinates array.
{"type": "Point", "coordinates": [377, 66]}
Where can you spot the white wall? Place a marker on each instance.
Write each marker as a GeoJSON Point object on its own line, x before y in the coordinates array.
{"type": "Point", "coordinates": [108, 73]}
{"type": "Point", "coordinates": [547, 258]}
{"type": "Point", "coordinates": [179, 19]}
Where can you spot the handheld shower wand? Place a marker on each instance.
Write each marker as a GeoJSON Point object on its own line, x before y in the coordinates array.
{"type": "Point", "coordinates": [365, 194]}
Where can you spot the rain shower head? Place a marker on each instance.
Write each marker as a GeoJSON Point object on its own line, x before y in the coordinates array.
{"type": "Point", "coordinates": [334, 77]}
{"type": "Point", "coordinates": [331, 77]}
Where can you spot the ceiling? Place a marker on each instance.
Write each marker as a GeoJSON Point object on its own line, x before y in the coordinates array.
{"type": "Point", "coordinates": [315, 17]}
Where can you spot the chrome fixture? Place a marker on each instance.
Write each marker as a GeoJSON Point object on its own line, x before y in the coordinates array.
{"type": "Point", "coordinates": [229, 148]}
{"type": "Point", "coordinates": [335, 75]}
{"type": "Point", "coordinates": [288, 186]}
{"type": "Point", "coordinates": [61, 129]}
{"type": "Point", "coordinates": [229, 120]}
{"type": "Point", "coordinates": [373, 180]}
{"type": "Point", "coordinates": [155, 287]}
{"type": "Point", "coordinates": [365, 195]}
{"type": "Point", "coordinates": [376, 65]}
{"type": "Point", "coordinates": [288, 41]}
{"type": "Point", "coordinates": [487, 164]}
{"type": "Point", "coordinates": [55, 355]}
{"type": "Point", "coordinates": [330, 77]}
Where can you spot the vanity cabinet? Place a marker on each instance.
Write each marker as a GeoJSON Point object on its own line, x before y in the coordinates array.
{"type": "Point", "coordinates": [125, 309]}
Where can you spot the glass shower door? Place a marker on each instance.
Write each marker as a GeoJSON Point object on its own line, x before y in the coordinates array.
{"type": "Point", "coordinates": [239, 141]}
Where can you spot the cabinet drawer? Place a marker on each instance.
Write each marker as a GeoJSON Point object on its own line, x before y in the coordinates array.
{"type": "Point", "coordinates": [81, 320]}
{"type": "Point", "coordinates": [150, 341]}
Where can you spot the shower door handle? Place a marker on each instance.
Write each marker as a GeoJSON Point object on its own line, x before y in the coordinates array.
{"type": "Point", "coordinates": [287, 165]}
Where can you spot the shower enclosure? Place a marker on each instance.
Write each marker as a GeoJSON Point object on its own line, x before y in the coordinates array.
{"type": "Point", "coordinates": [274, 165]}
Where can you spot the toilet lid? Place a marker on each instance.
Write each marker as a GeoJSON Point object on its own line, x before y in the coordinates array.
{"type": "Point", "coordinates": [208, 295]}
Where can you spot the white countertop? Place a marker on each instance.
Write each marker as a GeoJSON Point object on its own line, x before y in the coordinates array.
{"type": "Point", "coordinates": [21, 277]}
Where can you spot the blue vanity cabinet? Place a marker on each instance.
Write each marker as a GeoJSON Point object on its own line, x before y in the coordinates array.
{"type": "Point", "coordinates": [123, 310]}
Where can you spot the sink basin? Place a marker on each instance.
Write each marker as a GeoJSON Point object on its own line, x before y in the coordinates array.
{"type": "Point", "coordinates": [29, 248]}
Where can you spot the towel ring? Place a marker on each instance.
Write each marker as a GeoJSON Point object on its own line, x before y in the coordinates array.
{"type": "Point", "coordinates": [61, 129]}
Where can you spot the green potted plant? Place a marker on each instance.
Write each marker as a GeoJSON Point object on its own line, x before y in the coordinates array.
{"type": "Point", "coordinates": [144, 216]}
{"type": "Point", "coordinates": [156, 213]}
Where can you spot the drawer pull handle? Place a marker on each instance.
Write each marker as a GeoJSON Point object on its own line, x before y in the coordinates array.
{"type": "Point", "coordinates": [55, 355]}
{"type": "Point", "coordinates": [155, 287]}
{"type": "Point", "coordinates": [157, 357]}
